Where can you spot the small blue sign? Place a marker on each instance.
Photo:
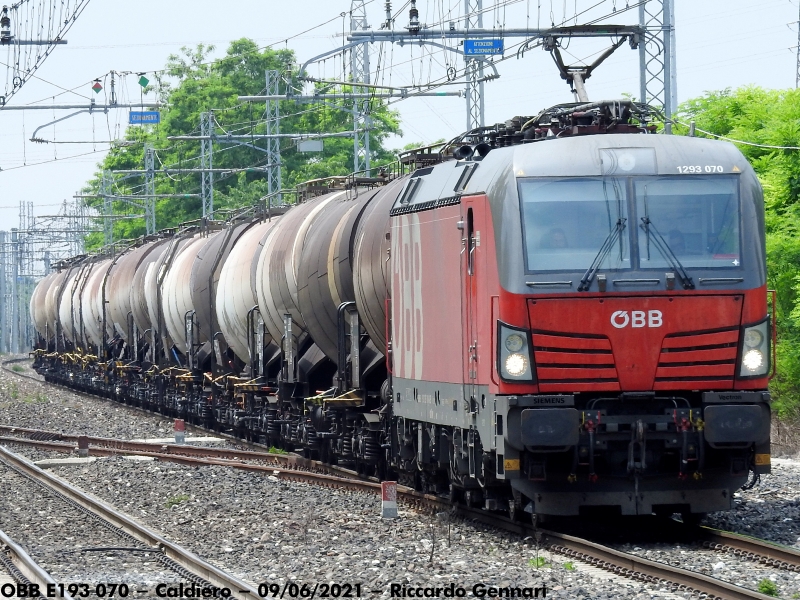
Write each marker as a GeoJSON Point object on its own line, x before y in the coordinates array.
{"type": "Point", "coordinates": [483, 47]}
{"type": "Point", "coordinates": [146, 117]}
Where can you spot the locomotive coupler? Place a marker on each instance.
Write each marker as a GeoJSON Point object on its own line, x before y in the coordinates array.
{"type": "Point", "coordinates": [638, 442]}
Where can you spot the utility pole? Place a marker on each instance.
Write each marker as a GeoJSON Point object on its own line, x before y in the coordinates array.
{"type": "Point", "coordinates": [797, 74]}
{"type": "Point", "coordinates": [4, 345]}
{"type": "Point", "coordinates": [657, 60]}
{"type": "Point", "coordinates": [206, 163]}
{"type": "Point", "coordinates": [149, 189]}
{"type": "Point", "coordinates": [359, 69]}
{"type": "Point", "coordinates": [473, 19]}
{"type": "Point", "coordinates": [14, 291]}
{"type": "Point", "coordinates": [108, 208]}
{"type": "Point", "coordinates": [273, 117]}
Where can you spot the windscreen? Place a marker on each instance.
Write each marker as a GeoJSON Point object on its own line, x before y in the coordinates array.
{"type": "Point", "coordinates": [567, 221]}
{"type": "Point", "coordinates": [698, 217]}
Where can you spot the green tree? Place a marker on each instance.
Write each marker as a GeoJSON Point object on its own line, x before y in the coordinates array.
{"type": "Point", "coordinates": [191, 84]}
{"type": "Point", "coordinates": [769, 118]}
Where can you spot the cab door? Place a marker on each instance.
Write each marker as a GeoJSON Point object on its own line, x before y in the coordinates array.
{"type": "Point", "coordinates": [471, 269]}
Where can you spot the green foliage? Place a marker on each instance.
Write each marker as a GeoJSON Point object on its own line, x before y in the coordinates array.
{"type": "Point", "coordinates": [768, 117]}
{"type": "Point", "coordinates": [192, 84]}
{"type": "Point", "coordinates": [768, 588]}
{"type": "Point", "coordinates": [175, 500]}
{"type": "Point", "coordinates": [18, 369]}
{"type": "Point", "coordinates": [569, 566]}
{"type": "Point", "coordinates": [38, 398]}
{"type": "Point", "coordinates": [274, 450]}
{"type": "Point", "coordinates": [537, 562]}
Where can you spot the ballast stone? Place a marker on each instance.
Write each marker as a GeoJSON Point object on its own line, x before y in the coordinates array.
{"type": "Point", "coordinates": [48, 463]}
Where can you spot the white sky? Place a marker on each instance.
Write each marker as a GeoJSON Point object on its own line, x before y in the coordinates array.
{"type": "Point", "coordinates": [720, 43]}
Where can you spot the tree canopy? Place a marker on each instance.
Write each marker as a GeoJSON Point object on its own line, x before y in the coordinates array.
{"type": "Point", "coordinates": [191, 84]}
{"type": "Point", "coordinates": [771, 119]}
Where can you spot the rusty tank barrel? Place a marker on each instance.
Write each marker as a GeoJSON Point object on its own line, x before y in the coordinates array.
{"type": "Point", "coordinates": [138, 289]}
{"type": "Point", "coordinates": [204, 279]}
{"type": "Point", "coordinates": [38, 306]}
{"type": "Point", "coordinates": [154, 279]}
{"type": "Point", "coordinates": [119, 288]}
{"type": "Point", "coordinates": [276, 276]}
{"type": "Point", "coordinates": [371, 263]}
{"type": "Point", "coordinates": [176, 292]}
{"type": "Point", "coordinates": [51, 300]}
{"type": "Point", "coordinates": [236, 290]}
{"type": "Point", "coordinates": [325, 275]}
{"type": "Point", "coordinates": [91, 310]}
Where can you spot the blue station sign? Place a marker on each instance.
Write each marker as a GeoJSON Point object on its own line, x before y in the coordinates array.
{"type": "Point", "coordinates": [483, 47]}
{"type": "Point", "coordinates": [146, 117]}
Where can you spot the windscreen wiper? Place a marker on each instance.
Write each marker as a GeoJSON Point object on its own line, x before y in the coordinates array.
{"type": "Point", "coordinates": [586, 280]}
{"type": "Point", "coordinates": [663, 248]}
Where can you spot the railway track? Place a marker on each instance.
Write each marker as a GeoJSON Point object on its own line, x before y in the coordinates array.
{"type": "Point", "coordinates": [295, 468]}
{"type": "Point", "coordinates": [22, 569]}
{"type": "Point", "coordinates": [179, 453]}
{"type": "Point", "coordinates": [174, 557]}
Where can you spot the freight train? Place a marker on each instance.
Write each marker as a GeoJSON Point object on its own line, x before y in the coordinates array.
{"type": "Point", "coordinates": [557, 315]}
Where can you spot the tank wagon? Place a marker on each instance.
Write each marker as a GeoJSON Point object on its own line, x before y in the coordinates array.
{"type": "Point", "coordinates": [568, 312]}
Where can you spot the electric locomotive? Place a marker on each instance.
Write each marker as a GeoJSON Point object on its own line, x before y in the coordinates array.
{"type": "Point", "coordinates": [591, 312]}
{"type": "Point", "coordinates": [556, 315]}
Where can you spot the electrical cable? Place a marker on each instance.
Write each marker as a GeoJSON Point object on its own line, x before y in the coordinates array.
{"type": "Point", "coordinates": [734, 141]}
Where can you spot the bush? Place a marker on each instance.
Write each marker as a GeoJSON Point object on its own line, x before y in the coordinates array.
{"type": "Point", "coordinates": [768, 588]}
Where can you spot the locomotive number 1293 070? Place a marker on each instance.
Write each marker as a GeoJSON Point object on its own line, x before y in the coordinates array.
{"type": "Point", "coordinates": [701, 169]}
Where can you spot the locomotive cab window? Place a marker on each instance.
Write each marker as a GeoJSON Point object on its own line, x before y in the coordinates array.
{"type": "Point", "coordinates": [697, 218]}
{"type": "Point", "coordinates": [567, 221]}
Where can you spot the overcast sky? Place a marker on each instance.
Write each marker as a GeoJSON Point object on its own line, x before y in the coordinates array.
{"type": "Point", "coordinates": [720, 44]}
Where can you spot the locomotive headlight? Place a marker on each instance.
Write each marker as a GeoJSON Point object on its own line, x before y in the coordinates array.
{"type": "Point", "coordinates": [516, 364]}
{"type": "Point", "coordinates": [514, 343]}
{"type": "Point", "coordinates": [754, 351]}
{"type": "Point", "coordinates": [752, 360]}
{"type": "Point", "coordinates": [513, 354]}
{"type": "Point", "coordinates": [753, 338]}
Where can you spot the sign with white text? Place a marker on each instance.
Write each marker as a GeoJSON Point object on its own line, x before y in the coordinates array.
{"type": "Point", "coordinates": [145, 117]}
{"type": "Point", "coordinates": [483, 47]}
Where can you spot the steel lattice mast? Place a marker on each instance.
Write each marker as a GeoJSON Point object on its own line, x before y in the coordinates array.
{"type": "Point", "coordinates": [473, 19]}
{"type": "Point", "coordinates": [273, 118]}
{"type": "Point", "coordinates": [657, 64]}
{"type": "Point", "coordinates": [149, 189]}
{"type": "Point", "coordinates": [206, 163]}
{"type": "Point", "coordinates": [359, 69]}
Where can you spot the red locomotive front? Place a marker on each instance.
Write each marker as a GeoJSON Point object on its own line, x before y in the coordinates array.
{"type": "Point", "coordinates": [585, 318]}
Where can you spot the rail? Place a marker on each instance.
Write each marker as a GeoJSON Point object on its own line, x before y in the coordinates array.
{"type": "Point", "coordinates": [27, 570]}
{"type": "Point", "coordinates": [183, 557]}
{"type": "Point", "coordinates": [615, 561]}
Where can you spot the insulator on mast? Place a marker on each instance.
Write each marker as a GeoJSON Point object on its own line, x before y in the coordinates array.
{"type": "Point", "coordinates": [413, 18]}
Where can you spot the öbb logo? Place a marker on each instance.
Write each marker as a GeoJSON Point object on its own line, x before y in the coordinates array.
{"type": "Point", "coordinates": [637, 318]}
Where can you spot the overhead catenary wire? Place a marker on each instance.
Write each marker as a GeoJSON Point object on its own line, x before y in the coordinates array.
{"type": "Point", "coordinates": [735, 141]}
